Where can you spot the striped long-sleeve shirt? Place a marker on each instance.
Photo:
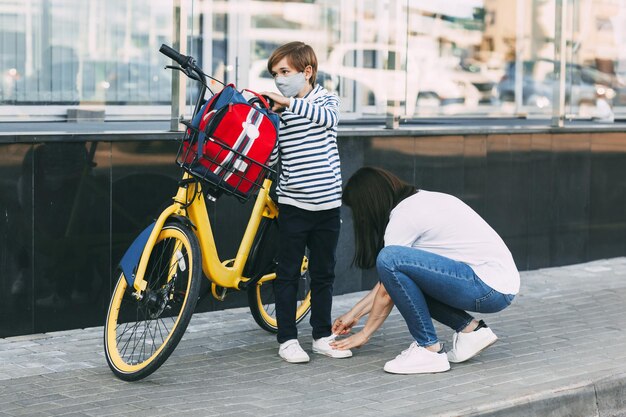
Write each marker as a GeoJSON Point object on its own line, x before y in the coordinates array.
{"type": "Point", "coordinates": [310, 175]}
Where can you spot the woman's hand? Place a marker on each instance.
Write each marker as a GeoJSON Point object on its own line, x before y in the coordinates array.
{"type": "Point", "coordinates": [344, 324]}
{"type": "Point", "coordinates": [355, 341]}
{"type": "Point", "coordinates": [280, 102]}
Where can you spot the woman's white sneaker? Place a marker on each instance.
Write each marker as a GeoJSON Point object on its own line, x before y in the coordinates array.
{"type": "Point", "coordinates": [291, 352]}
{"type": "Point", "coordinates": [322, 346]}
{"type": "Point", "coordinates": [418, 360]}
{"type": "Point", "coordinates": [467, 345]}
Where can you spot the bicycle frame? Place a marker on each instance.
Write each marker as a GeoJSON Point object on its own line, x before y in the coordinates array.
{"type": "Point", "coordinates": [189, 203]}
{"type": "Point", "coordinates": [189, 206]}
{"type": "Point", "coordinates": [159, 286]}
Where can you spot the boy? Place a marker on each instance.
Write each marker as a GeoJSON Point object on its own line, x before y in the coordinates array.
{"type": "Point", "coordinates": [309, 197]}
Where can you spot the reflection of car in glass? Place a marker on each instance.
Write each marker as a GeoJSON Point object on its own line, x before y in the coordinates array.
{"type": "Point", "coordinates": [383, 73]}
{"type": "Point", "coordinates": [110, 82]}
{"type": "Point", "coordinates": [8, 78]}
{"type": "Point", "coordinates": [478, 76]}
{"type": "Point", "coordinates": [619, 85]}
{"type": "Point", "coordinates": [617, 91]}
{"type": "Point", "coordinates": [582, 84]}
{"type": "Point", "coordinates": [131, 82]}
{"type": "Point", "coordinates": [56, 84]}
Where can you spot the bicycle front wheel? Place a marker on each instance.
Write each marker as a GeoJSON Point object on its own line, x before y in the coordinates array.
{"type": "Point", "coordinates": [262, 301]}
{"type": "Point", "coordinates": [139, 335]}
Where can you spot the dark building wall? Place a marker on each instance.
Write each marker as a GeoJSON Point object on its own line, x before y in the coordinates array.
{"type": "Point", "coordinates": [69, 209]}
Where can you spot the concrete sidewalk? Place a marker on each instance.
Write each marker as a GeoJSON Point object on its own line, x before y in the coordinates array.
{"type": "Point", "coordinates": [562, 352]}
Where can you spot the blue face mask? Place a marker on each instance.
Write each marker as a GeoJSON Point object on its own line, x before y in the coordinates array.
{"type": "Point", "coordinates": [290, 86]}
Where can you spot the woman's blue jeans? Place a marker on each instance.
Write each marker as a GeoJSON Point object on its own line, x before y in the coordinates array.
{"type": "Point", "coordinates": [426, 286]}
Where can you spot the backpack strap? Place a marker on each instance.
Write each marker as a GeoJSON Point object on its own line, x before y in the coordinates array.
{"type": "Point", "coordinates": [207, 110]}
{"type": "Point", "coordinates": [226, 96]}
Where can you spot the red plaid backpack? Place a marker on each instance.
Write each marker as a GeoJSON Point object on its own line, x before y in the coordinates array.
{"type": "Point", "coordinates": [230, 141]}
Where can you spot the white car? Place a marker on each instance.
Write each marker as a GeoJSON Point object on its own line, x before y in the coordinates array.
{"type": "Point", "coordinates": [380, 74]}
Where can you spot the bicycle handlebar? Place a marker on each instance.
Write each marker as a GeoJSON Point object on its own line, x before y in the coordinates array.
{"type": "Point", "coordinates": [188, 65]}
{"type": "Point", "coordinates": [181, 59]}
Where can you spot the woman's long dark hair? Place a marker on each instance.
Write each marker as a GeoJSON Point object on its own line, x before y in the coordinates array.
{"type": "Point", "coordinates": [372, 193]}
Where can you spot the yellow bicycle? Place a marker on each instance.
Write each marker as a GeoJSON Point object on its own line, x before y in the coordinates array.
{"type": "Point", "coordinates": [160, 274]}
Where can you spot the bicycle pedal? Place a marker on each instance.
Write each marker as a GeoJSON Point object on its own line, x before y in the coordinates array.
{"type": "Point", "coordinates": [218, 292]}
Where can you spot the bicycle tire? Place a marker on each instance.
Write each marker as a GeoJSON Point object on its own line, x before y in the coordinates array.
{"type": "Point", "coordinates": [261, 300]}
{"type": "Point", "coordinates": [139, 335]}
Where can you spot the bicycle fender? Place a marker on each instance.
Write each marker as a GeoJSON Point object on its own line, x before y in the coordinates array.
{"type": "Point", "coordinates": [184, 220]}
{"type": "Point", "coordinates": [130, 260]}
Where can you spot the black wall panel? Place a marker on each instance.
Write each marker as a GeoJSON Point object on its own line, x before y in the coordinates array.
{"type": "Point", "coordinates": [68, 210]}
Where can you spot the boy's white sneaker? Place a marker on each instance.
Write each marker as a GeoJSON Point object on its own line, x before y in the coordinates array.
{"type": "Point", "coordinates": [291, 352]}
{"type": "Point", "coordinates": [418, 360]}
{"type": "Point", "coordinates": [467, 345]}
{"type": "Point", "coordinates": [322, 346]}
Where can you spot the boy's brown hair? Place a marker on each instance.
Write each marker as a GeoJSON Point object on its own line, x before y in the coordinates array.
{"type": "Point", "coordinates": [298, 54]}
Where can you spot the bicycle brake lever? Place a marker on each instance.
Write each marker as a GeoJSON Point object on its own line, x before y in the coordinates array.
{"type": "Point", "coordinates": [187, 71]}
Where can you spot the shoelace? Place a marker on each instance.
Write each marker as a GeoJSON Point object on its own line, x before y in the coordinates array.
{"type": "Point", "coordinates": [291, 347]}
{"type": "Point", "coordinates": [411, 347]}
{"type": "Point", "coordinates": [330, 338]}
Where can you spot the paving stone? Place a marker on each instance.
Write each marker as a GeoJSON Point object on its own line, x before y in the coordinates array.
{"type": "Point", "coordinates": [563, 334]}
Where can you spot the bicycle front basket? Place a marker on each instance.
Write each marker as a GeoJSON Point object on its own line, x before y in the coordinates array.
{"type": "Point", "coordinates": [223, 163]}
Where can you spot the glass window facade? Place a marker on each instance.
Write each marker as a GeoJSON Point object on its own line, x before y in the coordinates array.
{"type": "Point", "coordinates": [413, 58]}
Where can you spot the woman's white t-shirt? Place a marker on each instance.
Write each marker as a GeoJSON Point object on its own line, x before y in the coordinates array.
{"type": "Point", "coordinates": [442, 224]}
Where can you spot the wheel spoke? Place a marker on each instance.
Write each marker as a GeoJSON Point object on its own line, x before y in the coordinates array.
{"type": "Point", "coordinates": [262, 302]}
{"type": "Point", "coordinates": [151, 326]}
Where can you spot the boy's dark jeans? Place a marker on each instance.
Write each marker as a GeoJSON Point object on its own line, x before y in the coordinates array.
{"type": "Point", "coordinates": [319, 231]}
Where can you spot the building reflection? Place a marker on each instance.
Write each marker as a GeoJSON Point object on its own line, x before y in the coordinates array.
{"type": "Point", "coordinates": [427, 58]}
{"type": "Point", "coordinates": [70, 210]}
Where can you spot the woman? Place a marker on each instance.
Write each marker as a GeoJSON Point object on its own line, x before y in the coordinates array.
{"type": "Point", "coordinates": [436, 258]}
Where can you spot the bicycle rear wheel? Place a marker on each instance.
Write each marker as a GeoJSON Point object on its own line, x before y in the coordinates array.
{"type": "Point", "coordinates": [139, 335]}
{"type": "Point", "coordinates": [262, 301]}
